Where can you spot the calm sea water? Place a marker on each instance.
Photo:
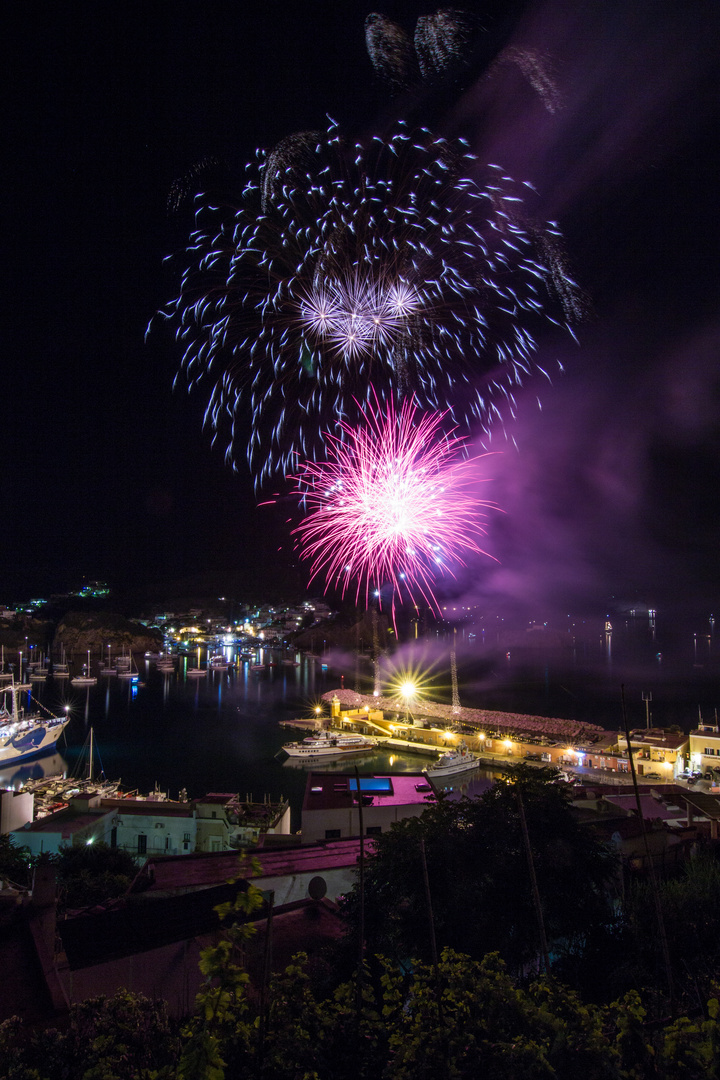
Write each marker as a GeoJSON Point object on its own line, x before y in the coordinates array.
{"type": "Point", "coordinates": [221, 733]}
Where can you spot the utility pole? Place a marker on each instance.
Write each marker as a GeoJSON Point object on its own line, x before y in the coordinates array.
{"type": "Point", "coordinates": [647, 698]}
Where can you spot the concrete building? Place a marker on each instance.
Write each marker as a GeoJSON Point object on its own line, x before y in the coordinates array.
{"type": "Point", "coordinates": [331, 805]}
{"type": "Point", "coordinates": [150, 940]}
{"type": "Point", "coordinates": [144, 827]}
{"type": "Point", "coordinates": [704, 746]}
{"type": "Point", "coordinates": [16, 807]}
{"type": "Point", "coordinates": [658, 754]}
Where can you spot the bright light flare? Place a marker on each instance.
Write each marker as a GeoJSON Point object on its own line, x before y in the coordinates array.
{"type": "Point", "coordinates": [394, 503]}
{"type": "Point", "coordinates": [410, 683]}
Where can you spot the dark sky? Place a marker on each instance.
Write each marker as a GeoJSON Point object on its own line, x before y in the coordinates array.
{"type": "Point", "coordinates": [107, 473]}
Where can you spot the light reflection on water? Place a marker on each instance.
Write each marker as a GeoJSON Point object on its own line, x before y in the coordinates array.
{"type": "Point", "coordinates": [217, 733]}
{"type": "Point", "coordinates": [220, 732]}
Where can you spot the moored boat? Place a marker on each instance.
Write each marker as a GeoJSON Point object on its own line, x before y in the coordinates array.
{"type": "Point", "coordinates": [329, 744]}
{"type": "Point", "coordinates": [87, 679]}
{"type": "Point", "coordinates": [454, 761]}
{"type": "Point", "coordinates": [24, 734]}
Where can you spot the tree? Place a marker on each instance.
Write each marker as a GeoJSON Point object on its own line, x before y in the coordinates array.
{"type": "Point", "coordinates": [124, 1037]}
{"type": "Point", "coordinates": [481, 878]}
{"type": "Point", "coordinates": [691, 911]}
{"type": "Point", "coordinates": [92, 873]}
{"type": "Point", "coordinates": [15, 862]}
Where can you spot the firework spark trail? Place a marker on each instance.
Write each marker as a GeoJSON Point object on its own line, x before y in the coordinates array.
{"type": "Point", "coordinates": [344, 267]}
{"type": "Point", "coordinates": [394, 503]}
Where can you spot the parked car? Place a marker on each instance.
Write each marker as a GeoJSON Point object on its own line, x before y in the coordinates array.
{"type": "Point", "coordinates": [652, 776]}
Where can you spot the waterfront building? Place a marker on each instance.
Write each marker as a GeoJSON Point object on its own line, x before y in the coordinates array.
{"type": "Point", "coordinates": [332, 803]}
{"type": "Point", "coordinates": [657, 754]}
{"type": "Point", "coordinates": [705, 749]}
{"type": "Point", "coordinates": [16, 807]}
{"type": "Point", "coordinates": [153, 826]}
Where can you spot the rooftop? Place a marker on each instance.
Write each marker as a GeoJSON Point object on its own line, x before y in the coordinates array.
{"type": "Point", "coordinates": [334, 791]}
{"type": "Point", "coordinates": [666, 740]}
{"type": "Point", "coordinates": [652, 808]}
{"type": "Point", "coordinates": [204, 870]}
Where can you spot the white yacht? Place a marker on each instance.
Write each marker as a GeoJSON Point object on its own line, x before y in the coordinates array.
{"type": "Point", "coordinates": [454, 761]}
{"type": "Point", "coordinates": [329, 744]}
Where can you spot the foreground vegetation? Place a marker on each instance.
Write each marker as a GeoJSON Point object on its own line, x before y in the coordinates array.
{"type": "Point", "coordinates": [464, 1019]}
{"type": "Point", "coordinates": [501, 941]}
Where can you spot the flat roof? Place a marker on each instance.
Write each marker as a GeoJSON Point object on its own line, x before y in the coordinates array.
{"type": "Point", "coordinates": [156, 810]}
{"type": "Point", "coordinates": [65, 821]}
{"type": "Point", "coordinates": [335, 791]}
{"type": "Point", "coordinates": [651, 807]}
{"type": "Point", "coordinates": [664, 740]}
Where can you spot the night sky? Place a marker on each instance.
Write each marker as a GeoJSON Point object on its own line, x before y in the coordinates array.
{"type": "Point", "coordinates": [609, 490]}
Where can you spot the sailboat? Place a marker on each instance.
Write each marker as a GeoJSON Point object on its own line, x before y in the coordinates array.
{"type": "Point", "coordinates": [110, 668]}
{"type": "Point", "coordinates": [127, 670]}
{"type": "Point", "coordinates": [23, 734]}
{"type": "Point", "coordinates": [61, 670]}
{"type": "Point", "coordinates": [87, 679]}
{"type": "Point", "coordinates": [100, 785]}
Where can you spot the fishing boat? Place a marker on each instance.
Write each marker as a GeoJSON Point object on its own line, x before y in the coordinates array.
{"type": "Point", "coordinates": [24, 734]}
{"type": "Point", "coordinates": [329, 744]}
{"type": "Point", "coordinates": [454, 761]}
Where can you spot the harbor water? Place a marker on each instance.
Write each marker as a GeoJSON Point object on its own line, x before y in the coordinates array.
{"type": "Point", "coordinates": [222, 733]}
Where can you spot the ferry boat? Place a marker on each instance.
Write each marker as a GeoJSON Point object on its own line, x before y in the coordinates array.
{"type": "Point", "coordinates": [329, 744]}
{"type": "Point", "coordinates": [454, 761]}
{"type": "Point", "coordinates": [23, 734]}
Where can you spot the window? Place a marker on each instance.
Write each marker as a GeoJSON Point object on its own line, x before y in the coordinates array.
{"type": "Point", "coordinates": [373, 830]}
{"type": "Point", "coordinates": [142, 844]}
{"type": "Point", "coordinates": [332, 834]}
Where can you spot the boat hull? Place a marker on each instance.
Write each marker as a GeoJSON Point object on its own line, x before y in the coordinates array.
{"type": "Point", "coordinates": [323, 752]}
{"type": "Point", "coordinates": [30, 741]}
{"type": "Point", "coordinates": [465, 764]}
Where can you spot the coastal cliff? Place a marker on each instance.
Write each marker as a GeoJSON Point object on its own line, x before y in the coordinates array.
{"type": "Point", "coordinates": [79, 631]}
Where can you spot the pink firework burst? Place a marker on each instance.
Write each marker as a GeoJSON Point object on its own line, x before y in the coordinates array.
{"type": "Point", "coordinates": [394, 503]}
